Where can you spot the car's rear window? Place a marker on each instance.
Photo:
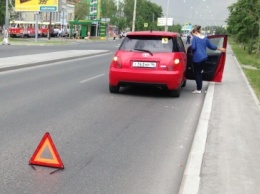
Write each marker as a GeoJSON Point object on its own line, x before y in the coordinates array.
{"type": "Point", "coordinates": [150, 43]}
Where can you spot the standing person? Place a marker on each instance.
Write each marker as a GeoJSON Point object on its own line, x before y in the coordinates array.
{"type": "Point", "coordinates": [188, 39]}
{"type": "Point", "coordinates": [199, 45]}
{"type": "Point", "coordinates": [75, 34]}
{"type": "Point", "coordinates": [114, 36]}
{"type": "Point", "coordinates": [6, 37]}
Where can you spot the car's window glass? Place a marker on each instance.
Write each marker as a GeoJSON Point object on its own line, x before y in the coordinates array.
{"type": "Point", "coordinates": [181, 47]}
{"type": "Point", "coordinates": [218, 42]}
{"type": "Point", "coordinates": [151, 43]}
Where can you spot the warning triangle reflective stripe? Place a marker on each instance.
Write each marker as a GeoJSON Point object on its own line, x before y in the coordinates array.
{"type": "Point", "coordinates": [46, 144]}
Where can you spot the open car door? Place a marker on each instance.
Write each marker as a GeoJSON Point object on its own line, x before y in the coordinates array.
{"type": "Point", "coordinates": [215, 63]}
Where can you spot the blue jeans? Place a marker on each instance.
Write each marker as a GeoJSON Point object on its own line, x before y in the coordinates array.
{"type": "Point", "coordinates": [198, 67]}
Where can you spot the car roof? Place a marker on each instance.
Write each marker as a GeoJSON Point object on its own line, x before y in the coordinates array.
{"type": "Point", "coordinates": [153, 33]}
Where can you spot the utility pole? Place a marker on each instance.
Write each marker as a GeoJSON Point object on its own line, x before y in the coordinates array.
{"type": "Point", "coordinates": [6, 15]}
{"type": "Point", "coordinates": [36, 25]}
{"type": "Point", "coordinates": [50, 26]}
{"type": "Point", "coordinates": [134, 15]}
{"type": "Point", "coordinates": [166, 22]}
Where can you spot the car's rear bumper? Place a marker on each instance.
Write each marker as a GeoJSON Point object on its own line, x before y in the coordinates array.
{"type": "Point", "coordinates": [170, 79]}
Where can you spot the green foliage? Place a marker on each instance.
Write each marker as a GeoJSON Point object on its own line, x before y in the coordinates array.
{"type": "Point", "coordinates": [146, 12]}
{"type": "Point", "coordinates": [254, 79]}
{"type": "Point", "coordinates": [2, 12]}
{"type": "Point", "coordinates": [108, 9]}
{"type": "Point", "coordinates": [11, 13]}
{"type": "Point", "coordinates": [219, 30]}
{"type": "Point", "coordinates": [244, 23]}
{"type": "Point", "coordinates": [175, 28]}
{"type": "Point", "coordinates": [81, 10]}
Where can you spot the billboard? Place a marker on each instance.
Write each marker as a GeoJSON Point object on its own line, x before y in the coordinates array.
{"type": "Point", "coordinates": [162, 21]}
{"type": "Point", "coordinates": [37, 5]}
{"type": "Point", "coordinates": [186, 27]}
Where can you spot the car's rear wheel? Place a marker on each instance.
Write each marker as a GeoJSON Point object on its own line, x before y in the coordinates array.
{"type": "Point", "coordinates": [175, 93]}
{"type": "Point", "coordinates": [114, 89]}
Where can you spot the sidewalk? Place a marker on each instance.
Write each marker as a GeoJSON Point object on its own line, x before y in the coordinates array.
{"type": "Point", "coordinates": [225, 155]}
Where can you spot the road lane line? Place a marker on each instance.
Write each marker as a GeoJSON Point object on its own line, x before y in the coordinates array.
{"type": "Point", "coordinates": [97, 76]}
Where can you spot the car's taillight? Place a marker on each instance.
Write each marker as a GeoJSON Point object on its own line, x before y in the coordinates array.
{"type": "Point", "coordinates": [173, 63]}
{"type": "Point", "coordinates": [117, 62]}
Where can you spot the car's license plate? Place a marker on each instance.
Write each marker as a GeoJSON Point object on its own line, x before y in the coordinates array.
{"type": "Point", "coordinates": [144, 64]}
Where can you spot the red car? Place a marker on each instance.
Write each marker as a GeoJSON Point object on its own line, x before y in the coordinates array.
{"type": "Point", "coordinates": [154, 58]}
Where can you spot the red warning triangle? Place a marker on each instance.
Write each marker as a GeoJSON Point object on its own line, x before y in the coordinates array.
{"type": "Point", "coordinates": [46, 143]}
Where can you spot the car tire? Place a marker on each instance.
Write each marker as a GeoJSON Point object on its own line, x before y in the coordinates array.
{"type": "Point", "coordinates": [175, 93]}
{"type": "Point", "coordinates": [184, 83]}
{"type": "Point", "coordinates": [114, 89]}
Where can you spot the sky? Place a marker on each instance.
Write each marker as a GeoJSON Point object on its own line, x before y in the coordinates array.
{"type": "Point", "coordinates": [197, 12]}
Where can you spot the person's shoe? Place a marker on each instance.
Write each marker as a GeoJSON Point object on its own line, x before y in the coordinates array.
{"type": "Point", "coordinates": [196, 92]}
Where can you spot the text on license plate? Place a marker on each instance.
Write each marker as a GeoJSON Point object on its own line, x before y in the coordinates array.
{"type": "Point", "coordinates": [144, 64]}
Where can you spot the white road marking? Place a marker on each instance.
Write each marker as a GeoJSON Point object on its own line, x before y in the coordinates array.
{"type": "Point", "coordinates": [97, 76]}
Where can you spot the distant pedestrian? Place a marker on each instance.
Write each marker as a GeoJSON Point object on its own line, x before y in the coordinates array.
{"type": "Point", "coordinates": [75, 34]}
{"type": "Point", "coordinates": [114, 36]}
{"type": "Point", "coordinates": [188, 39]}
{"type": "Point", "coordinates": [6, 37]}
{"type": "Point", "coordinates": [199, 45]}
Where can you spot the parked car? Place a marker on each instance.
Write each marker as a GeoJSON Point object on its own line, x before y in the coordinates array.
{"type": "Point", "coordinates": [158, 58]}
{"type": "Point", "coordinates": [149, 58]}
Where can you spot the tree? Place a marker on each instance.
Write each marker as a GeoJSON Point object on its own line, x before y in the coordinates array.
{"type": "Point", "coordinates": [244, 23]}
{"type": "Point", "coordinates": [2, 12]}
{"type": "Point", "coordinates": [120, 19]}
{"type": "Point", "coordinates": [108, 9]}
{"type": "Point", "coordinates": [146, 12]}
{"type": "Point", "coordinates": [175, 28]}
{"type": "Point", "coordinates": [12, 13]}
{"type": "Point", "coordinates": [81, 10]}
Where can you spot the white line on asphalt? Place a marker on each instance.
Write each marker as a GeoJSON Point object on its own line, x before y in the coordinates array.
{"type": "Point", "coordinates": [97, 76]}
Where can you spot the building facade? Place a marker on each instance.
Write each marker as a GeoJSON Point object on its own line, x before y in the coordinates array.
{"type": "Point", "coordinates": [94, 9]}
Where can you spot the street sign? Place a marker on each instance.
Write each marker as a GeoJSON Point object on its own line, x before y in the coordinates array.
{"type": "Point", "coordinates": [162, 21]}
{"type": "Point", "coordinates": [145, 25]}
{"type": "Point", "coordinates": [105, 19]}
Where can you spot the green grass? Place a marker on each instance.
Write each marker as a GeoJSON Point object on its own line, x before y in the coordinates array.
{"type": "Point", "coordinates": [253, 77]}
{"type": "Point", "coordinates": [248, 60]}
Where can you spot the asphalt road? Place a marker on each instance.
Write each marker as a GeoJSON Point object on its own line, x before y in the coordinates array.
{"type": "Point", "coordinates": [137, 141]}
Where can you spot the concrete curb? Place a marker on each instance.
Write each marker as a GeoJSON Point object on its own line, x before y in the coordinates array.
{"type": "Point", "coordinates": [191, 178]}
{"type": "Point", "coordinates": [52, 41]}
